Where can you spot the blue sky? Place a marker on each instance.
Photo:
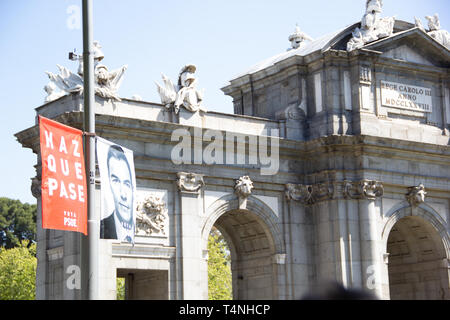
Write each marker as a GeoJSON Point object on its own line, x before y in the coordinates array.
{"type": "Point", "coordinates": [223, 38]}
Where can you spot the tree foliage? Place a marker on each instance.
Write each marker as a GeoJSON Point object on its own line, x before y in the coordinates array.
{"type": "Point", "coordinates": [219, 268]}
{"type": "Point", "coordinates": [17, 223]}
{"type": "Point", "coordinates": [120, 289]}
{"type": "Point", "coordinates": [18, 272]}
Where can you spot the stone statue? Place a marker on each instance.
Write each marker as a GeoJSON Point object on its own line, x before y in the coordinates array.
{"type": "Point", "coordinates": [151, 217]}
{"type": "Point", "coordinates": [433, 22]}
{"type": "Point", "coordinates": [98, 56]}
{"type": "Point", "coordinates": [374, 8]}
{"type": "Point", "coordinates": [419, 24]}
{"type": "Point", "coordinates": [107, 83]}
{"type": "Point", "coordinates": [373, 27]}
{"type": "Point", "coordinates": [67, 81]}
{"type": "Point", "coordinates": [435, 31]}
{"type": "Point", "coordinates": [185, 94]}
{"type": "Point", "coordinates": [168, 93]}
{"type": "Point", "coordinates": [52, 95]}
{"type": "Point", "coordinates": [298, 38]}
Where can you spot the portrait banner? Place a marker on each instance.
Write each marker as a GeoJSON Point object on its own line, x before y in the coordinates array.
{"type": "Point", "coordinates": [118, 191]}
{"type": "Point", "coordinates": [64, 197]}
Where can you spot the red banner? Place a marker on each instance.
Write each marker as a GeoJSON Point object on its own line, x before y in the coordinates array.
{"type": "Point", "coordinates": [64, 193]}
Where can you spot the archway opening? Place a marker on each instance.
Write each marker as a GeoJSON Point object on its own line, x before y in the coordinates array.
{"type": "Point", "coordinates": [219, 267]}
{"type": "Point", "coordinates": [251, 250]}
{"type": "Point", "coordinates": [416, 267]}
{"type": "Point", "coordinates": [142, 284]}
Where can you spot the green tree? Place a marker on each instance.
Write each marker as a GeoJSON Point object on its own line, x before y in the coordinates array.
{"type": "Point", "coordinates": [219, 268]}
{"type": "Point", "coordinates": [18, 272]}
{"type": "Point", "coordinates": [120, 289]}
{"type": "Point", "coordinates": [17, 223]}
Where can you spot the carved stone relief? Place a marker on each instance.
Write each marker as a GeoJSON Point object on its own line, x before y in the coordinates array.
{"type": "Point", "coordinates": [416, 195]}
{"type": "Point", "coordinates": [364, 189]}
{"type": "Point", "coordinates": [243, 189]}
{"type": "Point", "coordinates": [312, 194]}
{"type": "Point", "coordinates": [190, 182]}
{"type": "Point", "coordinates": [151, 217]}
{"type": "Point", "coordinates": [365, 74]}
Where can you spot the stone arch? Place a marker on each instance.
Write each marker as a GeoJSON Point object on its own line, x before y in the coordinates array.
{"type": "Point", "coordinates": [230, 203]}
{"type": "Point", "coordinates": [255, 241]}
{"type": "Point", "coordinates": [423, 211]}
{"type": "Point", "coordinates": [417, 243]}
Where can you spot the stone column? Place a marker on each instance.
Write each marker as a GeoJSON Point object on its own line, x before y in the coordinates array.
{"type": "Point", "coordinates": [279, 280]}
{"type": "Point", "coordinates": [41, 239]}
{"type": "Point", "coordinates": [193, 261]}
{"type": "Point", "coordinates": [342, 244]}
{"type": "Point", "coordinates": [354, 244]}
{"type": "Point", "coordinates": [370, 260]}
{"type": "Point", "coordinates": [305, 262]}
{"type": "Point", "coordinates": [370, 239]}
{"type": "Point", "coordinates": [172, 279]}
{"type": "Point", "coordinates": [72, 266]}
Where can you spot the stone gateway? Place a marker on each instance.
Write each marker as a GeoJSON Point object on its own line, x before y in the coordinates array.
{"type": "Point", "coordinates": [361, 194]}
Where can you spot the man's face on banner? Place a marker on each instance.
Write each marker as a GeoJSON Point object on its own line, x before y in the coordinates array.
{"type": "Point", "coordinates": [121, 187]}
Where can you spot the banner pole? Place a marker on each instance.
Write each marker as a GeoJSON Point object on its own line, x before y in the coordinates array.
{"type": "Point", "coordinates": [89, 127]}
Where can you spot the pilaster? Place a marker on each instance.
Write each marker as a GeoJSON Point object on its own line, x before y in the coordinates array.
{"type": "Point", "coordinates": [192, 258]}
{"type": "Point", "coordinates": [347, 242]}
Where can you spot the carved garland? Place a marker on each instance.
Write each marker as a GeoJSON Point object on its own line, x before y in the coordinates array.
{"type": "Point", "coordinates": [364, 189]}
{"type": "Point", "coordinates": [190, 182]}
{"type": "Point", "coordinates": [312, 194]}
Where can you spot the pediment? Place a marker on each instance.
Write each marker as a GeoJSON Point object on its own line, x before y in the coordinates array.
{"type": "Point", "coordinates": [414, 46]}
{"type": "Point", "coordinates": [407, 54]}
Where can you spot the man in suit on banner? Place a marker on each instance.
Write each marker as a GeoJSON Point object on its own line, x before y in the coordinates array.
{"type": "Point", "coordinates": [118, 224]}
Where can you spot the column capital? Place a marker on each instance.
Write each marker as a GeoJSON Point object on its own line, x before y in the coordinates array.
{"type": "Point", "coordinates": [310, 194]}
{"type": "Point", "coordinates": [279, 258]}
{"type": "Point", "coordinates": [363, 189]}
{"type": "Point", "coordinates": [314, 193]}
{"type": "Point", "coordinates": [190, 182]}
{"type": "Point", "coordinates": [36, 187]}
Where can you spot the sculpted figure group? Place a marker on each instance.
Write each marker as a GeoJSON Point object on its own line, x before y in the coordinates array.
{"type": "Point", "coordinates": [186, 95]}
{"type": "Point", "coordinates": [434, 30]}
{"type": "Point", "coordinates": [107, 83]}
{"type": "Point", "coordinates": [373, 27]}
